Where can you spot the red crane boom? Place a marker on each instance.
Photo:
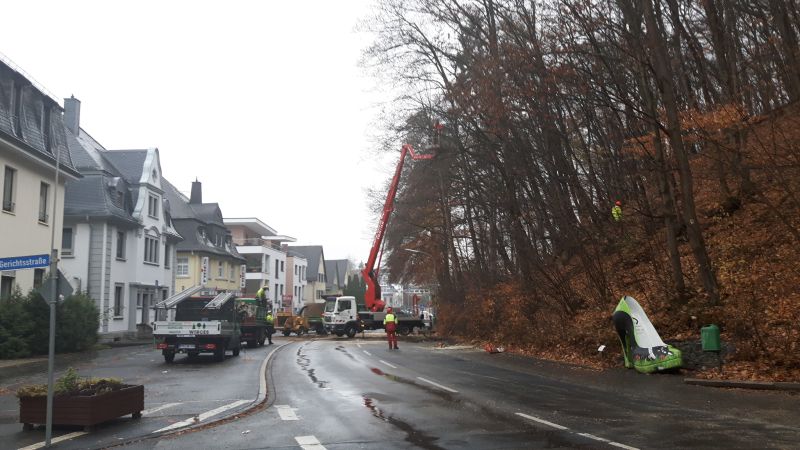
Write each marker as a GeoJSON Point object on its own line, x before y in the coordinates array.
{"type": "Point", "coordinates": [372, 297]}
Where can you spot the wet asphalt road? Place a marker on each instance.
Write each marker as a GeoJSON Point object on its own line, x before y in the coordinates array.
{"type": "Point", "coordinates": [341, 394]}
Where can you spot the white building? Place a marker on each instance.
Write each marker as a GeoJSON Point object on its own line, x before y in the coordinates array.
{"type": "Point", "coordinates": [31, 135]}
{"type": "Point", "coordinates": [118, 238]}
{"type": "Point", "coordinates": [266, 260]}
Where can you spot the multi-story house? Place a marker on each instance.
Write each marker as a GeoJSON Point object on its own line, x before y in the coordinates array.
{"type": "Point", "coordinates": [337, 271]}
{"type": "Point", "coordinates": [296, 278]}
{"type": "Point", "coordinates": [267, 263]}
{"type": "Point", "coordinates": [31, 138]}
{"type": "Point", "coordinates": [207, 255]}
{"type": "Point", "coordinates": [315, 272]}
{"type": "Point", "coordinates": [118, 239]}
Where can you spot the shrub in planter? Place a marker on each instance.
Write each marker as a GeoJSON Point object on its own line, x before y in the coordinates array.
{"type": "Point", "coordinates": [80, 401]}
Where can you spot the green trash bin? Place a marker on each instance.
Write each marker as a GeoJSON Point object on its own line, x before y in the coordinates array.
{"type": "Point", "coordinates": [709, 336]}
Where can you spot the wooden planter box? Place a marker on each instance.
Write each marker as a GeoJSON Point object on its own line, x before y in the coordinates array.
{"type": "Point", "coordinates": [85, 411]}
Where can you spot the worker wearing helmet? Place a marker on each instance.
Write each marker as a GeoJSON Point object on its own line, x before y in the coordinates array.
{"type": "Point", "coordinates": [616, 211]}
{"type": "Point", "coordinates": [390, 324]}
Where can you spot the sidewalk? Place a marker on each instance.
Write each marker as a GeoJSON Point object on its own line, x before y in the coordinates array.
{"type": "Point", "coordinates": [15, 368]}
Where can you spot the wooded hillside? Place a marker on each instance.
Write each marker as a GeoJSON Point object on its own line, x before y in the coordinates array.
{"type": "Point", "coordinates": [684, 111]}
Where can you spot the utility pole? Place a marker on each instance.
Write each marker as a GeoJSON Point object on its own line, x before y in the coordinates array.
{"type": "Point", "coordinates": [53, 301]}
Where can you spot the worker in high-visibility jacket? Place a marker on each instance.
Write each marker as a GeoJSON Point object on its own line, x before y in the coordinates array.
{"type": "Point", "coordinates": [261, 294]}
{"type": "Point", "coordinates": [616, 211]}
{"type": "Point", "coordinates": [270, 326]}
{"type": "Point", "coordinates": [390, 324]}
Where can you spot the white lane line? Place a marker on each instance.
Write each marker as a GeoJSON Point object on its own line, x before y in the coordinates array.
{"type": "Point", "coordinates": [286, 412]}
{"type": "Point", "coordinates": [309, 443]}
{"type": "Point", "coordinates": [147, 412]}
{"type": "Point", "coordinates": [54, 440]}
{"type": "Point", "coordinates": [437, 385]}
{"type": "Point", "coordinates": [591, 436]}
{"type": "Point", "coordinates": [544, 422]}
{"type": "Point", "coordinates": [390, 365]}
{"type": "Point", "coordinates": [617, 444]}
{"type": "Point", "coordinates": [203, 416]}
{"type": "Point", "coordinates": [368, 353]}
{"type": "Point", "coordinates": [358, 344]}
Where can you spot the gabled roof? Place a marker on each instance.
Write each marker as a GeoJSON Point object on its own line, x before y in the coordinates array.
{"type": "Point", "coordinates": [336, 271]}
{"type": "Point", "coordinates": [189, 218]}
{"type": "Point", "coordinates": [129, 163]}
{"type": "Point", "coordinates": [313, 254]}
{"type": "Point", "coordinates": [27, 132]}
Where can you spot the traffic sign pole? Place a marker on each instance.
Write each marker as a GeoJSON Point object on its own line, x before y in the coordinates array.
{"type": "Point", "coordinates": [53, 300]}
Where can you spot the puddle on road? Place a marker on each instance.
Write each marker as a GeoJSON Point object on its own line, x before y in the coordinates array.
{"type": "Point", "coordinates": [304, 362]}
{"type": "Point", "coordinates": [340, 348]}
{"type": "Point", "coordinates": [413, 436]}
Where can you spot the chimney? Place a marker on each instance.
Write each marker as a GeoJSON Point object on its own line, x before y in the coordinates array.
{"type": "Point", "coordinates": [197, 193]}
{"type": "Point", "coordinates": [72, 114]}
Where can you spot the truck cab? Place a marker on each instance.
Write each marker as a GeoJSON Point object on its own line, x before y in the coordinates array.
{"type": "Point", "coordinates": [341, 316]}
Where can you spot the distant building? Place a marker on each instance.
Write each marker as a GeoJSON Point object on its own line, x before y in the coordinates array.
{"type": "Point", "coordinates": [267, 262]}
{"type": "Point", "coordinates": [118, 238]}
{"type": "Point", "coordinates": [337, 271]}
{"type": "Point", "coordinates": [207, 254]}
{"type": "Point", "coordinates": [31, 135]}
{"type": "Point", "coordinates": [315, 273]}
{"type": "Point", "coordinates": [296, 281]}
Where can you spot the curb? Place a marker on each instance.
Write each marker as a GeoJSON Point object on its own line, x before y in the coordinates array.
{"type": "Point", "coordinates": [759, 385]}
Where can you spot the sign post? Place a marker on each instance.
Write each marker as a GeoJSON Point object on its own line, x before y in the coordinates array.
{"type": "Point", "coordinates": [53, 274]}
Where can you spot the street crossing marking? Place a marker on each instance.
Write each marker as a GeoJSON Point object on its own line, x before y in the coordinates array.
{"type": "Point", "coordinates": [286, 412]}
{"type": "Point", "coordinates": [54, 440]}
{"type": "Point", "coordinates": [309, 443]}
{"type": "Point", "coordinates": [542, 421]}
{"type": "Point", "coordinates": [203, 416]}
{"type": "Point", "coordinates": [437, 385]}
{"type": "Point", "coordinates": [591, 436]}
{"type": "Point", "coordinates": [147, 412]}
{"type": "Point", "coordinates": [617, 444]}
{"type": "Point", "coordinates": [390, 365]}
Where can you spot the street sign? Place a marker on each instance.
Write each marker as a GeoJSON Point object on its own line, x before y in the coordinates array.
{"type": "Point", "coordinates": [24, 262]}
{"type": "Point", "coordinates": [204, 271]}
{"type": "Point", "coordinates": [242, 276]}
{"type": "Point", "coordinates": [63, 288]}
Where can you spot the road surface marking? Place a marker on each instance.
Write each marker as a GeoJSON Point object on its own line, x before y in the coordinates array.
{"type": "Point", "coordinates": [203, 416]}
{"type": "Point", "coordinates": [147, 412]}
{"type": "Point", "coordinates": [591, 436]}
{"type": "Point", "coordinates": [437, 385]}
{"type": "Point", "coordinates": [368, 353]}
{"type": "Point", "coordinates": [358, 344]}
{"type": "Point", "coordinates": [309, 443]}
{"type": "Point", "coordinates": [286, 412]}
{"type": "Point", "coordinates": [542, 421]}
{"type": "Point", "coordinates": [390, 365]}
{"type": "Point", "coordinates": [617, 444]}
{"type": "Point", "coordinates": [54, 440]}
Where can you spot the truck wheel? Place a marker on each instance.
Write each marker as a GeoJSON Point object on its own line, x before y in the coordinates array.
{"type": "Point", "coordinates": [403, 330]}
{"type": "Point", "coordinates": [169, 356]}
{"type": "Point", "coordinates": [287, 332]}
{"type": "Point", "coordinates": [321, 330]}
{"type": "Point", "coordinates": [219, 353]}
{"type": "Point", "coordinates": [351, 331]}
{"type": "Point", "coordinates": [261, 338]}
{"type": "Point", "coordinates": [339, 333]}
{"type": "Point", "coordinates": [236, 351]}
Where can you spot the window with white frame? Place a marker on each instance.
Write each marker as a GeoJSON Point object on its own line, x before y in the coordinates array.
{"type": "Point", "coordinates": [221, 269]}
{"type": "Point", "coordinates": [44, 191]}
{"type": "Point", "coordinates": [182, 268]}
{"type": "Point", "coordinates": [121, 245]}
{"type": "Point", "coordinates": [9, 188]}
{"type": "Point", "coordinates": [66, 241]}
{"type": "Point", "coordinates": [151, 245]}
{"type": "Point", "coordinates": [118, 299]}
{"type": "Point", "coordinates": [152, 206]}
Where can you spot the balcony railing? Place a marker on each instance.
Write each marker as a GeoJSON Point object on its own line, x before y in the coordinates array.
{"type": "Point", "coordinates": [252, 242]}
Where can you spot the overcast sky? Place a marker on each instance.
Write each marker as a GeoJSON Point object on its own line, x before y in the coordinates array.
{"type": "Point", "coordinates": [262, 101]}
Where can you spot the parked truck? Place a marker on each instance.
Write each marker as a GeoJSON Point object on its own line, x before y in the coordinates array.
{"type": "Point", "coordinates": [344, 316]}
{"type": "Point", "coordinates": [201, 324]}
{"type": "Point", "coordinates": [253, 320]}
